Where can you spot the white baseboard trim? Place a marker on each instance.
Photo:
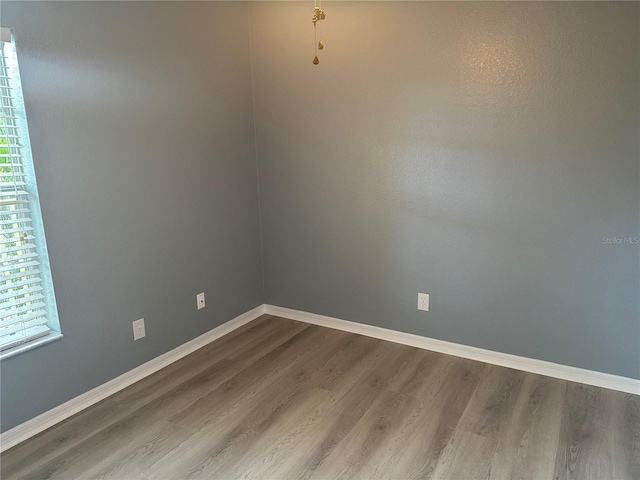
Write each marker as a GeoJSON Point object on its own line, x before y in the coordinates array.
{"type": "Point", "coordinates": [49, 418]}
{"type": "Point", "coordinates": [541, 367]}
{"type": "Point", "coordinates": [40, 423]}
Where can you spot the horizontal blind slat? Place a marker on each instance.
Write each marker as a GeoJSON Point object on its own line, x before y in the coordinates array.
{"type": "Point", "coordinates": [16, 260]}
{"type": "Point", "coordinates": [9, 202]}
{"type": "Point", "coordinates": [7, 210]}
{"type": "Point", "coordinates": [19, 292]}
{"type": "Point", "coordinates": [35, 314]}
{"type": "Point", "coordinates": [4, 269]}
{"type": "Point", "coordinates": [10, 176]}
{"type": "Point", "coordinates": [21, 307]}
{"type": "Point", "coordinates": [12, 282]}
{"type": "Point", "coordinates": [8, 315]}
{"type": "Point", "coordinates": [17, 248]}
{"type": "Point", "coordinates": [11, 225]}
{"type": "Point", "coordinates": [36, 320]}
{"type": "Point", "coordinates": [16, 339]}
{"type": "Point", "coordinates": [11, 192]}
{"type": "Point", "coordinates": [11, 231]}
{"type": "Point", "coordinates": [10, 184]}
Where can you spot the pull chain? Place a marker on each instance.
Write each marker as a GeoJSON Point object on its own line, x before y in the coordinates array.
{"type": "Point", "coordinates": [318, 14]}
{"type": "Point", "coordinates": [315, 41]}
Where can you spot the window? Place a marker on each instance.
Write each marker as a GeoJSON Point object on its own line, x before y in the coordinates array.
{"type": "Point", "coordinates": [28, 314]}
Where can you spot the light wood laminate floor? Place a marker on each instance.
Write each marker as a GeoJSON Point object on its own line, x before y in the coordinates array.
{"type": "Point", "coordinates": [279, 399]}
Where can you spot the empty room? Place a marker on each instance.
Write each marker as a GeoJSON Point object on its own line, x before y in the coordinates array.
{"type": "Point", "coordinates": [319, 240]}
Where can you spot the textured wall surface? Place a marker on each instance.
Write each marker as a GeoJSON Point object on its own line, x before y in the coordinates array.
{"type": "Point", "coordinates": [142, 132]}
{"type": "Point", "coordinates": [478, 152]}
{"type": "Point", "coordinates": [485, 153]}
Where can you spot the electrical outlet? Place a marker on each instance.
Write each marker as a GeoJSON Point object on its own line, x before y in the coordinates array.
{"type": "Point", "coordinates": [423, 301]}
{"type": "Point", "coordinates": [138, 329]}
{"type": "Point", "coordinates": [200, 300]}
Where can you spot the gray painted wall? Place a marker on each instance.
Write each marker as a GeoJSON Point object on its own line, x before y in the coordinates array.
{"type": "Point", "coordinates": [478, 152]}
{"type": "Point", "coordinates": [142, 131]}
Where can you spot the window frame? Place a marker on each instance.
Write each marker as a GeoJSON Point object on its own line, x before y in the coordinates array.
{"type": "Point", "coordinates": [7, 40]}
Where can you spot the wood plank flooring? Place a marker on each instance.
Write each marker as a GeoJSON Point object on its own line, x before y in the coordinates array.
{"type": "Point", "coordinates": [279, 399]}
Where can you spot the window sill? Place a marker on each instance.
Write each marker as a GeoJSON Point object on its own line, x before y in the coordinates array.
{"type": "Point", "coordinates": [25, 347]}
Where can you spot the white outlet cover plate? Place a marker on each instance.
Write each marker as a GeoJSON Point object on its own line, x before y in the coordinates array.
{"type": "Point", "coordinates": [423, 302]}
{"type": "Point", "coordinates": [138, 329]}
{"type": "Point", "coordinates": [200, 300]}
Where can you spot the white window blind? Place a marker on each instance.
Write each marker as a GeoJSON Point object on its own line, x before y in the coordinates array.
{"type": "Point", "coordinates": [25, 298]}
